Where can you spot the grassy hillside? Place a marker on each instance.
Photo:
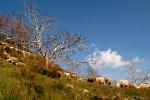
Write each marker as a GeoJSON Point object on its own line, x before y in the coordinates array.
{"type": "Point", "coordinates": [32, 82]}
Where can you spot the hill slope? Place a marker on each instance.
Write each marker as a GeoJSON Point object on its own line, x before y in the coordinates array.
{"type": "Point", "coordinates": [31, 82]}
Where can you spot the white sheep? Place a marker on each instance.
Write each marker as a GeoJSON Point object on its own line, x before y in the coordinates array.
{"type": "Point", "coordinates": [132, 85]}
{"type": "Point", "coordinates": [20, 64]}
{"type": "Point", "coordinates": [11, 47]}
{"type": "Point", "coordinates": [100, 80]}
{"type": "Point", "coordinates": [8, 60]}
{"type": "Point", "coordinates": [73, 76]}
{"type": "Point", "coordinates": [108, 81]}
{"type": "Point", "coordinates": [13, 59]}
{"type": "Point", "coordinates": [143, 86]}
{"type": "Point", "coordinates": [123, 83]}
{"type": "Point", "coordinates": [67, 75]}
{"type": "Point", "coordinates": [80, 79]}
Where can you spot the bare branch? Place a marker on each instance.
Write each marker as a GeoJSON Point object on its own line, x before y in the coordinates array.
{"type": "Point", "coordinates": [137, 77]}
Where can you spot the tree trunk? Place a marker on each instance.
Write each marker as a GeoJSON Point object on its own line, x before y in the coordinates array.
{"type": "Point", "coordinates": [46, 62]}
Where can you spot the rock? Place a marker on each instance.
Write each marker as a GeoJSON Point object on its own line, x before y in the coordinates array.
{"type": "Point", "coordinates": [8, 60]}
{"type": "Point", "coordinates": [11, 47]}
{"type": "Point", "coordinates": [13, 59]}
{"type": "Point", "coordinates": [69, 86]}
{"type": "Point", "coordinates": [20, 64]}
{"type": "Point", "coordinates": [86, 92]}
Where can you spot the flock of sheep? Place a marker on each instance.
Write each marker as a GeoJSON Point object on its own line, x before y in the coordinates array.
{"type": "Point", "coordinates": [98, 80]}
{"type": "Point", "coordinates": [108, 81]}
{"type": "Point", "coordinates": [11, 59]}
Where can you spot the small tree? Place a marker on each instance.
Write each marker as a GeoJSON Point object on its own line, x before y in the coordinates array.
{"type": "Point", "coordinates": [19, 32]}
{"type": "Point", "coordinates": [136, 75]}
{"type": "Point", "coordinates": [91, 72]}
{"type": "Point", "coordinates": [55, 47]}
{"type": "Point", "coordinates": [40, 25]}
{"type": "Point", "coordinates": [3, 23]}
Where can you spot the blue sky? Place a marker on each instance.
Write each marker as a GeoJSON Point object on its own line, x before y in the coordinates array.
{"type": "Point", "coordinates": [120, 25]}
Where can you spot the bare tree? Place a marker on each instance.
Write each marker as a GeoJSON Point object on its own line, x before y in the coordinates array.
{"type": "Point", "coordinates": [136, 75]}
{"type": "Point", "coordinates": [61, 46]}
{"type": "Point", "coordinates": [91, 72]}
{"type": "Point", "coordinates": [15, 30]}
{"type": "Point", "coordinates": [40, 25]}
{"type": "Point", "coordinates": [19, 32]}
{"type": "Point", "coordinates": [3, 22]}
{"type": "Point", "coordinates": [55, 47]}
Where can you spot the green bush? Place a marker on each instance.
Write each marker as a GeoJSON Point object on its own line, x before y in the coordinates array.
{"type": "Point", "coordinates": [8, 50]}
{"type": "Point", "coordinates": [50, 73]}
{"type": "Point", "coordinates": [44, 72]}
{"type": "Point", "coordinates": [58, 85]}
{"type": "Point", "coordinates": [39, 89]}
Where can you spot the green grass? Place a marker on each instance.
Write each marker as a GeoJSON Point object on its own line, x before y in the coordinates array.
{"type": "Point", "coordinates": [31, 82]}
{"type": "Point", "coordinates": [16, 86]}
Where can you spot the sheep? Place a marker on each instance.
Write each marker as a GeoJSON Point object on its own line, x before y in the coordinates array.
{"type": "Point", "coordinates": [24, 53]}
{"type": "Point", "coordinates": [59, 74]}
{"type": "Point", "coordinates": [132, 85]}
{"type": "Point", "coordinates": [108, 81]}
{"type": "Point", "coordinates": [67, 75]}
{"type": "Point", "coordinates": [8, 60]}
{"type": "Point", "coordinates": [11, 47]}
{"type": "Point", "coordinates": [100, 80]}
{"type": "Point", "coordinates": [6, 55]}
{"type": "Point", "coordinates": [91, 79]}
{"type": "Point", "coordinates": [80, 79]}
{"type": "Point", "coordinates": [143, 86]}
{"type": "Point", "coordinates": [14, 59]}
{"type": "Point", "coordinates": [73, 76]}
{"type": "Point", "coordinates": [3, 43]}
{"type": "Point", "coordinates": [123, 83]}
{"type": "Point", "coordinates": [20, 64]}
{"type": "Point", "coordinates": [28, 53]}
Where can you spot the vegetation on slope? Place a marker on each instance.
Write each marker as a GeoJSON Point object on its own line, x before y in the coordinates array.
{"type": "Point", "coordinates": [32, 82]}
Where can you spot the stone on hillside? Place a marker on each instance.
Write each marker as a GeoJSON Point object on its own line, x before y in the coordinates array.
{"type": "Point", "coordinates": [69, 86]}
{"type": "Point", "coordinates": [20, 64]}
{"type": "Point", "coordinates": [13, 59]}
{"type": "Point", "coordinates": [86, 92]}
{"type": "Point", "coordinates": [8, 60]}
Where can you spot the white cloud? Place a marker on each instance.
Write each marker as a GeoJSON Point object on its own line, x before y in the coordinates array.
{"type": "Point", "coordinates": [93, 45]}
{"type": "Point", "coordinates": [108, 58]}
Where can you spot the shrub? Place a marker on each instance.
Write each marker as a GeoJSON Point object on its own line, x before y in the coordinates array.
{"type": "Point", "coordinates": [39, 89]}
{"type": "Point", "coordinates": [44, 71]}
{"type": "Point", "coordinates": [58, 85]}
{"type": "Point", "coordinates": [50, 73]}
{"type": "Point", "coordinates": [1, 51]}
{"type": "Point", "coordinates": [8, 50]}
